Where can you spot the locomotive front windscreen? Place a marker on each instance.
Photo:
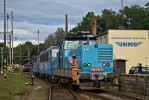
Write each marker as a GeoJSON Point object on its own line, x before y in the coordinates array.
{"type": "Point", "coordinates": [71, 44]}
{"type": "Point", "coordinates": [54, 51]}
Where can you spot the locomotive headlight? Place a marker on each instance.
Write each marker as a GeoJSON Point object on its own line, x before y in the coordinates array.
{"type": "Point", "coordinates": [108, 64]}
{"type": "Point", "coordinates": [103, 64]}
{"type": "Point", "coordinates": [96, 45]}
{"type": "Point", "coordinates": [88, 64]}
{"type": "Point", "coordinates": [84, 64]}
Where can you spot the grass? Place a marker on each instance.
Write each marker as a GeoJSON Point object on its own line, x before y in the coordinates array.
{"type": "Point", "coordinates": [10, 89]}
{"type": "Point", "coordinates": [115, 81]}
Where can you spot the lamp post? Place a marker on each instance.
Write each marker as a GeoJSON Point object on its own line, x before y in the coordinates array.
{"type": "Point", "coordinates": [38, 41]}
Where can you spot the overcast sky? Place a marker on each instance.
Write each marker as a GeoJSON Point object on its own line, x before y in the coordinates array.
{"type": "Point", "coordinates": [48, 15]}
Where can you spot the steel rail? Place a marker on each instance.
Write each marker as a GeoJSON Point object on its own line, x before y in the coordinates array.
{"type": "Point", "coordinates": [55, 89]}
{"type": "Point", "coordinates": [50, 91]}
{"type": "Point", "coordinates": [122, 95]}
{"type": "Point", "coordinates": [74, 94]}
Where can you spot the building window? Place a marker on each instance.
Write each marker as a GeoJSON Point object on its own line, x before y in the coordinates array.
{"type": "Point", "coordinates": [100, 41]}
{"type": "Point", "coordinates": [105, 40]}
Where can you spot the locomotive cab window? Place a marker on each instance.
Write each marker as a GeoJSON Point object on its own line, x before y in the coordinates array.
{"type": "Point", "coordinates": [91, 42]}
{"type": "Point", "coordinates": [74, 44]}
{"type": "Point", "coordinates": [71, 44]}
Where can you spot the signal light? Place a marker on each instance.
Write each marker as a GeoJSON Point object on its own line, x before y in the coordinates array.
{"type": "Point", "coordinates": [84, 64]}
{"type": "Point", "coordinates": [103, 64]}
{"type": "Point", "coordinates": [88, 64]}
{"type": "Point", "coordinates": [108, 64]}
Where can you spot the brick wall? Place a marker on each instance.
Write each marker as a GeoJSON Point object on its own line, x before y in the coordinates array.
{"type": "Point", "coordinates": [134, 84]}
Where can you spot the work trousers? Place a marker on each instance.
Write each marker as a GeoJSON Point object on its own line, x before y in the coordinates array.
{"type": "Point", "coordinates": [74, 74]}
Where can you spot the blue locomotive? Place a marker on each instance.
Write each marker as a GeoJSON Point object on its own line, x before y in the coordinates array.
{"type": "Point", "coordinates": [95, 62]}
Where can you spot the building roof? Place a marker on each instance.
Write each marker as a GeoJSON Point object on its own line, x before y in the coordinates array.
{"type": "Point", "coordinates": [121, 60]}
{"type": "Point", "coordinates": [106, 32]}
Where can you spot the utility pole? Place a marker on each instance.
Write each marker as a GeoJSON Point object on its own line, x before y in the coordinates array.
{"type": "Point", "coordinates": [28, 53]}
{"type": "Point", "coordinates": [122, 13]}
{"type": "Point", "coordinates": [1, 60]}
{"type": "Point", "coordinates": [9, 42]}
{"type": "Point", "coordinates": [5, 55]}
{"type": "Point", "coordinates": [20, 59]}
{"type": "Point", "coordinates": [28, 56]}
{"type": "Point", "coordinates": [12, 41]}
{"type": "Point", "coordinates": [7, 28]}
{"type": "Point", "coordinates": [10, 51]}
{"type": "Point", "coordinates": [38, 41]}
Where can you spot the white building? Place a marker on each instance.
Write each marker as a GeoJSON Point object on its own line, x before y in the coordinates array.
{"type": "Point", "coordinates": [130, 45]}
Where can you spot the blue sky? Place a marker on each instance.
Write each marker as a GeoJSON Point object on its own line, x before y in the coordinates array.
{"type": "Point", "coordinates": [48, 15]}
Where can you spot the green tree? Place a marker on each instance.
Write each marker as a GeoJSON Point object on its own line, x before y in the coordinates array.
{"type": "Point", "coordinates": [1, 44]}
{"type": "Point", "coordinates": [49, 41]}
{"type": "Point", "coordinates": [27, 50]}
{"type": "Point", "coordinates": [136, 17]}
{"type": "Point", "coordinates": [85, 24]}
{"type": "Point", "coordinates": [147, 4]}
{"type": "Point", "coordinates": [108, 20]}
{"type": "Point", "coordinates": [59, 34]}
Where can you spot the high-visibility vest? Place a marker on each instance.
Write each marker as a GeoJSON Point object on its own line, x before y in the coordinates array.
{"type": "Point", "coordinates": [75, 64]}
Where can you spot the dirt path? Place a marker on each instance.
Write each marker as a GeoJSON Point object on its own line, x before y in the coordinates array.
{"type": "Point", "coordinates": [39, 91]}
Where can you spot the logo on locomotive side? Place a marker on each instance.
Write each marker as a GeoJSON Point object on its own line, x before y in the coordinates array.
{"type": "Point", "coordinates": [86, 49]}
{"type": "Point", "coordinates": [128, 44]}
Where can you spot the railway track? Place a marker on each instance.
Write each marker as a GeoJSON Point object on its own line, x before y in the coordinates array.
{"type": "Point", "coordinates": [122, 95]}
{"type": "Point", "coordinates": [59, 92]}
{"type": "Point", "coordinates": [62, 92]}
{"type": "Point", "coordinates": [108, 95]}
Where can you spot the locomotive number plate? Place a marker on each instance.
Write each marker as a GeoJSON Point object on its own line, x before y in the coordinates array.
{"type": "Point", "coordinates": [96, 69]}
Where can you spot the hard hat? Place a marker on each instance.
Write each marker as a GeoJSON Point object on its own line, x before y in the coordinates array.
{"type": "Point", "coordinates": [73, 55]}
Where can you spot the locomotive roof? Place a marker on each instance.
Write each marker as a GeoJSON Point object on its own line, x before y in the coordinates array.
{"type": "Point", "coordinates": [51, 47]}
{"type": "Point", "coordinates": [79, 37]}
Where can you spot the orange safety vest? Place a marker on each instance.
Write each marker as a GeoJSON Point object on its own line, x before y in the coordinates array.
{"type": "Point", "coordinates": [75, 64]}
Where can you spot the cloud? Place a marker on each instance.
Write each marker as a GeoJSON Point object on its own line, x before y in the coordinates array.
{"type": "Point", "coordinates": [29, 30]}
{"type": "Point", "coordinates": [26, 31]}
{"type": "Point", "coordinates": [48, 15]}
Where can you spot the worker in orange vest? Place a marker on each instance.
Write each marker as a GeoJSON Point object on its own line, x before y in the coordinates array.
{"type": "Point", "coordinates": [74, 67]}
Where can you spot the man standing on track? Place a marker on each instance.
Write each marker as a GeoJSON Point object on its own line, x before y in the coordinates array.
{"type": "Point", "coordinates": [74, 67]}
